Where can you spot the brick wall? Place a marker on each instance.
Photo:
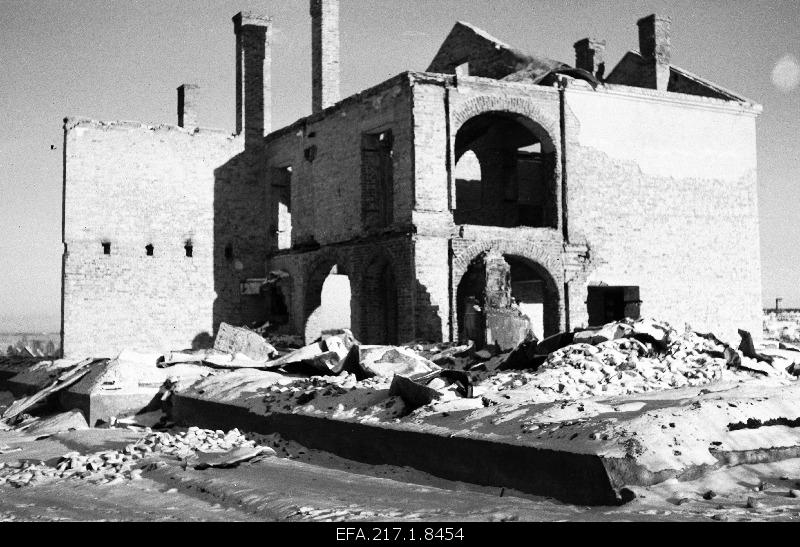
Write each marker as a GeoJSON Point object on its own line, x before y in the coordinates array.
{"type": "Point", "coordinates": [133, 185]}
{"type": "Point", "coordinates": [363, 263]}
{"type": "Point", "coordinates": [661, 193]}
{"type": "Point", "coordinates": [324, 53]}
{"type": "Point", "coordinates": [325, 154]}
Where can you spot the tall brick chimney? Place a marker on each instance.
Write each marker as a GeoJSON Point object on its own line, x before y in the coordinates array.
{"type": "Point", "coordinates": [187, 105]}
{"type": "Point", "coordinates": [654, 44]}
{"type": "Point", "coordinates": [324, 53]}
{"type": "Point", "coordinates": [590, 56]}
{"type": "Point", "coordinates": [253, 75]}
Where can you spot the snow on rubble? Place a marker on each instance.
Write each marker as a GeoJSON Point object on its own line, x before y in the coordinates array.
{"type": "Point", "coordinates": [621, 358]}
{"type": "Point", "coordinates": [629, 389]}
{"type": "Point", "coordinates": [200, 447]}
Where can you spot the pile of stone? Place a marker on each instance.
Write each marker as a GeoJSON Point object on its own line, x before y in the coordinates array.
{"type": "Point", "coordinates": [620, 358]}
{"type": "Point", "coordinates": [624, 366]}
{"type": "Point", "coordinates": [118, 466]}
{"type": "Point", "coordinates": [624, 358]}
{"type": "Point", "coordinates": [185, 444]}
{"type": "Point", "coordinates": [107, 467]}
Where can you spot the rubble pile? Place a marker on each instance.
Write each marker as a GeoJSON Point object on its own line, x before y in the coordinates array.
{"type": "Point", "coordinates": [118, 466]}
{"type": "Point", "coordinates": [387, 383]}
{"type": "Point", "coordinates": [625, 358]}
{"type": "Point", "coordinates": [626, 365]}
{"type": "Point", "coordinates": [186, 443]}
{"type": "Point", "coordinates": [783, 326]}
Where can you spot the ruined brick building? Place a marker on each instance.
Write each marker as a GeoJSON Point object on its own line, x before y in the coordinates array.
{"type": "Point", "coordinates": [596, 193]}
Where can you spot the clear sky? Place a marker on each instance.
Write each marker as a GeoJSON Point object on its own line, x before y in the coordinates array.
{"type": "Point", "coordinates": [116, 59]}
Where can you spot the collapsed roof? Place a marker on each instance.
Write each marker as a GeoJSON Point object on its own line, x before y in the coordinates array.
{"type": "Point", "coordinates": [487, 56]}
{"type": "Point", "coordinates": [469, 50]}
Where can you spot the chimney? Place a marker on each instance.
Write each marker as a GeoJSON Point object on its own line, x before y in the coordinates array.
{"type": "Point", "coordinates": [253, 76]}
{"type": "Point", "coordinates": [324, 53]}
{"type": "Point", "coordinates": [654, 44]}
{"type": "Point", "coordinates": [590, 56]}
{"type": "Point", "coordinates": [187, 103]}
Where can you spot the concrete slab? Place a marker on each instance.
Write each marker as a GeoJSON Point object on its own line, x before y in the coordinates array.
{"type": "Point", "coordinates": [574, 478]}
{"type": "Point", "coordinates": [581, 451]}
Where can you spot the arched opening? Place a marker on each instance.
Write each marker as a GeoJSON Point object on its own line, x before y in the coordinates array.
{"type": "Point", "coordinates": [521, 284]}
{"type": "Point", "coordinates": [505, 172]}
{"type": "Point", "coordinates": [328, 301]}
{"type": "Point", "coordinates": [380, 311]}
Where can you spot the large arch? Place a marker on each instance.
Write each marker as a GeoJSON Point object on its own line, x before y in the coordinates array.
{"type": "Point", "coordinates": [541, 257]}
{"type": "Point", "coordinates": [513, 178]}
{"type": "Point", "coordinates": [317, 274]}
{"type": "Point", "coordinates": [505, 172]}
{"type": "Point", "coordinates": [548, 121]}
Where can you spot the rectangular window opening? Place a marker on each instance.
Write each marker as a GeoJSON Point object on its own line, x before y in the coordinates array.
{"type": "Point", "coordinates": [377, 179]}
{"type": "Point", "coordinates": [606, 304]}
{"type": "Point", "coordinates": [106, 248]}
{"type": "Point", "coordinates": [282, 190]}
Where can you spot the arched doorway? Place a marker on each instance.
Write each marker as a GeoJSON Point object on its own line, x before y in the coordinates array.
{"type": "Point", "coordinates": [328, 300]}
{"type": "Point", "coordinates": [380, 304]}
{"type": "Point", "coordinates": [505, 172]}
{"type": "Point", "coordinates": [533, 292]}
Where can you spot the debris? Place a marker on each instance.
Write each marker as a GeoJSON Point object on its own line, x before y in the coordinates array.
{"type": "Point", "coordinates": [63, 381]}
{"type": "Point", "coordinates": [65, 421]}
{"type": "Point", "coordinates": [788, 346]}
{"type": "Point", "coordinates": [114, 466]}
{"type": "Point", "coordinates": [306, 353]}
{"type": "Point", "coordinates": [231, 458]}
{"type": "Point", "coordinates": [748, 349]}
{"type": "Point", "coordinates": [555, 342]}
{"type": "Point", "coordinates": [386, 361]}
{"type": "Point", "coordinates": [524, 356]}
{"type": "Point", "coordinates": [461, 378]}
{"type": "Point", "coordinates": [453, 352]}
{"type": "Point", "coordinates": [234, 340]}
{"type": "Point", "coordinates": [324, 364]}
{"type": "Point", "coordinates": [506, 327]}
{"type": "Point", "coordinates": [143, 419]}
{"type": "Point", "coordinates": [710, 495]}
{"type": "Point", "coordinates": [414, 395]}
{"type": "Point", "coordinates": [720, 517]}
{"type": "Point", "coordinates": [753, 503]}
{"type": "Point", "coordinates": [794, 493]}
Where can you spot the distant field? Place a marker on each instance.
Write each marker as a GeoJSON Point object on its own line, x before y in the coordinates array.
{"type": "Point", "coordinates": [31, 339]}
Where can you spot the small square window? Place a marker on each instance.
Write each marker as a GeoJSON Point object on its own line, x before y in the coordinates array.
{"type": "Point", "coordinates": [106, 248]}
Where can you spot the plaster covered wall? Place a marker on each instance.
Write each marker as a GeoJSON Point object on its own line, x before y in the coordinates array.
{"type": "Point", "coordinates": [662, 188]}
{"type": "Point", "coordinates": [133, 185]}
